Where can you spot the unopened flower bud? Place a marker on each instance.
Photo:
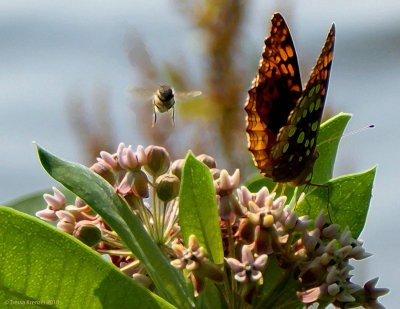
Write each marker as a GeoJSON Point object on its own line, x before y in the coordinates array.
{"type": "Point", "coordinates": [157, 160]}
{"type": "Point", "coordinates": [176, 168]}
{"type": "Point", "coordinates": [56, 201]}
{"type": "Point", "coordinates": [310, 242]}
{"type": "Point", "coordinates": [215, 173]}
{"type": "Point", "coordinates": [291, 221]}
{"type": "Point", "coordinates": [227, 182]}
{"type": "Point", "coordinates": [79, 202]}
{"type": "Point", "coordinates": [87, 233]}
{"type": "Point", "coordinates": [358, 253]}
{"type": "Point", "coordinates": [331, 231]}
{"type": "Point", "coordinates": [135, 182]}
{"type": "Point", "coordinates": [333, 289]}
{"type": "Point", "coordinates": [104, 170]}
{"type": "Point", "coordinates": [345, 297]}
{"type": "Point", "coordinates": [140, 184]}
{"type": "Point", "coordinates": [320, 221]}
{"type": "Point", "coordinates": [67, 221]}
{"type": "Point", "coordinates": [372, 291]}
{"type": "Point", "coordinates": [167, 187]}
{"type": "Point", "coordinates": [127, 159]}
{"type": "Point", "coordinates": [142, 280]}
{"type": "Point", "coordinates": [108, 158]}
{"type": "Point", "coordinates": [331, 247]}
{"type": "Point", "coordinates": [207, 160]}
{"type": "Point", "coordinates": [47, 214]}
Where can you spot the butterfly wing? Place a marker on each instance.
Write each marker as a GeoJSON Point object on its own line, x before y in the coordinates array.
{"type": "Point", "coordinates": [296, 142]}
{"type": "Point", "coordinates": [275, 92]}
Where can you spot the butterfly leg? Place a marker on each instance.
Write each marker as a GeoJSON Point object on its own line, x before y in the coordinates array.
{"type": "Point", "coordinates": [154, 117]}
{"type": "Point", "coordinates": [283, 189]}
{"type": "Point", "coordinates": [327, 205]}
{"type": "Point", "coordinates": [276, 187]}
{"type": "Point", "coordinates": [301, 195]}
{"type": "Point", "coordinates": [327, 201]}
{"type": "Point", "coordinates": [325, 186]}
{"type": "Point", "coordinates": [173, 116]}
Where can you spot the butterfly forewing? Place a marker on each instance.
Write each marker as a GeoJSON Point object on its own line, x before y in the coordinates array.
{"type": "Point", "coordinates": [275, 92]}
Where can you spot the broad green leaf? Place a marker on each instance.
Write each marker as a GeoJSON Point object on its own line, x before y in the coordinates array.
{"type": "Point", "coordinates": [101, 197]}
{"type": "Point", "coordinates": [349, 198]}
{"type": "Point", "coordinates": [330, 129]}
{"type": "Point", "coordinates": [41, 264]}
{"type": "Point", "coordinates": [198, 214]}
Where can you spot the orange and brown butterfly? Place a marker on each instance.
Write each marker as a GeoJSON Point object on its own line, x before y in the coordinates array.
{"type": "Point", "coordinates": [282, 119]}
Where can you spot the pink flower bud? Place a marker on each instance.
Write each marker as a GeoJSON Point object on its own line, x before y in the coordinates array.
{"type": "Point", "coordinates": [157, 160]}
{"type": "Point", "coordinates": [56, 201]}
{"type": "Point", "coordinates": [104, 170]}
{"type": "Point", "coordinates": [109, 159]}
{"type": "Point", "coordinates": [47, 214]}
{"type": "Point", "coordinates": [207, 160]}
{"type": "Point", "coordinates": [67, 221]}
{"type": "Point", "coordinates": [176, 168]}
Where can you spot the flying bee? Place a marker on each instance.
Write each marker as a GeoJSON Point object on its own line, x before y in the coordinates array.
{"type": "Point", "coordinates": [164, 99]}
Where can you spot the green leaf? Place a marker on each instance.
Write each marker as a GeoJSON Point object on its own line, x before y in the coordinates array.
{"type": "Point", "coordinates": [39, 264]}
{"type": "Point", "coordinates": [101, 197]}
{"type": "Point", "coordinates": [198, 213]}
{"type": "Point", "coordinates": [349, 198]}
{"type": "Point", "coordinates": [330, 129]}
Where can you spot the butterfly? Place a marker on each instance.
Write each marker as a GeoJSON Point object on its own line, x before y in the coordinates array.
{"type": "Point", "coordinates": [282, 119]}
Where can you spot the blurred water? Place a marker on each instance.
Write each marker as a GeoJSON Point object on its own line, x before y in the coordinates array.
{"type": "Point", "coordinates": [48, 49]}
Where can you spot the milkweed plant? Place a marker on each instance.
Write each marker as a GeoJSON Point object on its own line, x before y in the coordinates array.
{"type": "Point", "coordinates": [143, 231]}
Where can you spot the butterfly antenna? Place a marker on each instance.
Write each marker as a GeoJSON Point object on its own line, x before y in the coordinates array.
{"type": "Point", "coordinates": [347, 134]}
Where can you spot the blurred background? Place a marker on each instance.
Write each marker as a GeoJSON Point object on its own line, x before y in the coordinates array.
{"type": "Point", "coordinates": [65, 73]}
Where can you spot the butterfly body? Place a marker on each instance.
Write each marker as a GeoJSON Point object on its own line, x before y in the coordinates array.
{"type": "Point", "coordinates": [282, 119]}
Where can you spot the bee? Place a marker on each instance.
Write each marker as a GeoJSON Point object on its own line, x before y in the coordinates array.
{"type": "Point", "coordinates": [164, 99]}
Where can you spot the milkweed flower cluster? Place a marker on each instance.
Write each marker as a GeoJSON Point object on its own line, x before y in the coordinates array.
{"type": "Point", "coordinates": [260, 234]}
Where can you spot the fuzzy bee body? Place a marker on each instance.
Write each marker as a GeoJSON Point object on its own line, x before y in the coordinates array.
{"type": "Point", "coordinates": [164, 99]}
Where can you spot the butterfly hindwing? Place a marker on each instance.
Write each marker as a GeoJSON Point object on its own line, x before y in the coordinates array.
{"type": "Point", "coordinates": [294, 152]}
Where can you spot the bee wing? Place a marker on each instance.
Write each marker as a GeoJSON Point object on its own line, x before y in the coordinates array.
{"type": "Point", "coordinates": [142, 93]}
{"type": "Point", "coordinates": [187, 94]}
